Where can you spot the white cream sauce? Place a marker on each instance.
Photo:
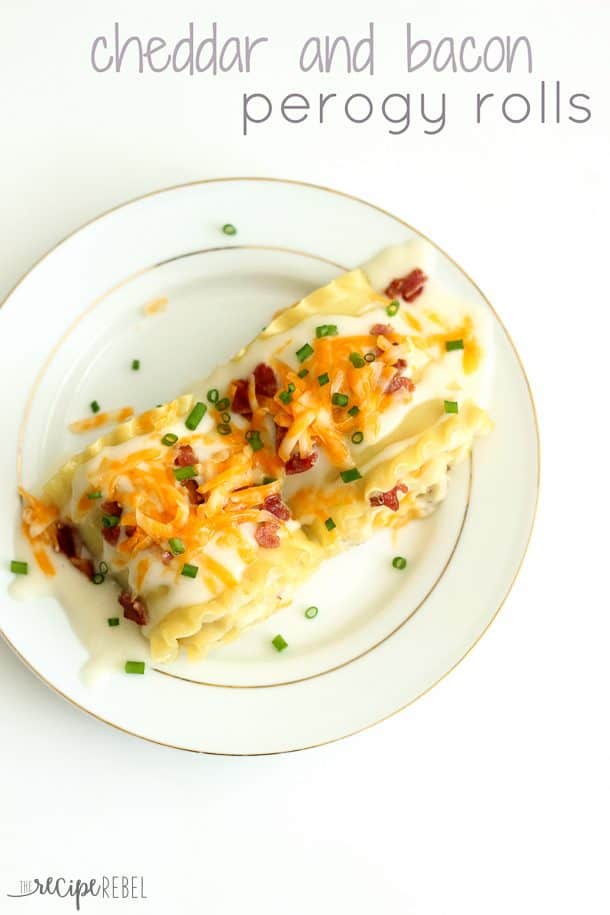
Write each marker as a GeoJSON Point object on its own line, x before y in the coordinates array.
{"type": "Point", "coordinates": [88, 608]}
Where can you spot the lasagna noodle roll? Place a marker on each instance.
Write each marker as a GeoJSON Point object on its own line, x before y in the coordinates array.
{"type": "Point", "coordinates": [267, 586]}
{"type": "Point", "coordinates": [414, 472]}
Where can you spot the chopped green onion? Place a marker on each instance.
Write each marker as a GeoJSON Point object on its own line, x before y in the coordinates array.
{"type": "Point", "coordinates": [18, 567]}
{"type": "Point", "coordinates": [169, 439]}
{"type": "Point", "coordinates": [304, 353]}
{"type": "Point", "coordinates": [103, 567]}
{"type": "Point", "coordinates": [356, 360]}
{"type": "Point", "coordinates": [353, 411]}
{"type": "Point", "coordinates": [229, 229]}
{"type": "Point", "coordinates": [323, 379]}
{"type": "Point", "coordinates": [134, 667]}
{"type": "Point", "coordinates": [253, 437]}
{"type": "Point", "coordinates": [303, 373]}
{"type": "Point", "coordinates": [340, 400]}
{"type": "Point", "coordinates": [176, 545]}
{"type": "Point", "coordinates": [135, 365]}
{"type": "Point", "coordinates": [195, 416]}
{"type": "Point", "coordinates": [223, 404]}
{"type": "Point", "coordinates": [189, 571]}
{"type": "Point", "coordinates": [450, 345]}
{"type": "Point", "coordinates": [291, 387]}
{"type": "Point", "coordinates": [357, 438]}
{"type": "Point", "coordinates": [326, 330]}
{"type": "Point", "coordinates": [451, 406]}
{"type": "Point", "coordinates": [369, 357]}
{"type": "Point", "coordinates": [95, 407]}
{"type": "Point", "coordinates": [311, 613]}
{"type": "Point", "coordinates": [185, 473]}
{"type": "Point", "coordinates": [267, 480]}
{"type": "Point", "coordinates": [98, 578]}
{"type": "Point", "coordinates": [223, 429]}
{"type": "Point", "coordinates": [399, 562]}
{"type": "Point", "coordinates": [95, 495]}
{"type": "Point", "coordinates": [329, 524]}
{"type": "Point", "coordinates": [285, 396]}
{"type": "Point", "coordinates": [113, 621]}
{"type": "Point", "coordinates": [213, 395]}
{"type": "Point", "coordinates": [392, 308]}
{"type": "Point", "coordinates": [348, 476]}
{"type": "Point", "coordinates": [110, 520]}
{"type": "Point", "coordinates": [279, 643]}
{"type": "Point", "coordinates": [225, 417]}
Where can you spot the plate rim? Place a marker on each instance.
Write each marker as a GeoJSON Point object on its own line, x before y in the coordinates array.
{"type": "Point", "coordinates": [360, 200]}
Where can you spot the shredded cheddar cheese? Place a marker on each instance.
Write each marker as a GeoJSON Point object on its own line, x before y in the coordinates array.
{"type": "Point", "coordinates": [99, 420]}
{"type": "Point", "coordinates": [472, 353]}
{"type": "Point", "coordinates": [155, 306]}
{"type": "Point", "coordinates": [38, 519]}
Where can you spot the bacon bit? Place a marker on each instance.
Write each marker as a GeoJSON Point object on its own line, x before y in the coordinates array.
{"type": "Point", "coordinates": [265, 381]}
{"type": "Point", "coordinates": [112, 508]}
{"type": "Point", "coordinates": [274, 505]}
{"type": "Point", "coordinates": [111, 534]}
{"type": "Point", "coordinates": [83, 565]}
{"type": "Point", "coordinates": [65, 539]}
{"type": "Point", "coordinates": [397, 382]}
{"type": "Point", "coordinates": [66, 543]}
{"type": "Point", "coordinates": [157, 305]}
{"type": "Point", "coordinates": [298, 464]}
{"type": "Point", "coordinates": [101, 419]}
{"type": "Point", "coordinates": [195, 497]}
{"type": "Point", "coordinates": [134, 608]}
{"type": "Point", "coordinates": [389, 498]}
{"type": "Point", "coordinates": [166, 557]}
{"type": "Point", "coordinates": [266, 534]}
{"type": "Point", "coordinates": [129, 529]}
{"type": "Point", "coordinates": [280, 435]}
{"type": "Point", "coordinates": [382, 330]}
{"type": "Point", "coordinates": [241, 401]}
{"type": "Point", "coordinates": [185, 457]}
{"type": "Point", "coordinates": [409, 286]}
{"type": "Point", "coordinates": [400, 364]}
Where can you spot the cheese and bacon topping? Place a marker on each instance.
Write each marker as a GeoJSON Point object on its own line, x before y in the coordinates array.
{"type": "Point", "coordinates": [344, 383]}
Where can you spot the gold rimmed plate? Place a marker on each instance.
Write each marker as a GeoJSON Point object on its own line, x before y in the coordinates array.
{"type": "Point", "coordinates": [69, 332]}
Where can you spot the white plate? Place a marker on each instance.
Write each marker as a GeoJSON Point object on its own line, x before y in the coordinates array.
{"type": "Point", "coordinates": [68, 333]}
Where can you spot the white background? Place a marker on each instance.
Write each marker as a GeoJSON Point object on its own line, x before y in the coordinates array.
{"type": "Point", "coordinates": [491, 793]}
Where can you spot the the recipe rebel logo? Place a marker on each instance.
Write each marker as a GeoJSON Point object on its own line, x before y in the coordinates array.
{"type": "Point", "coordinates": [109, 887]}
